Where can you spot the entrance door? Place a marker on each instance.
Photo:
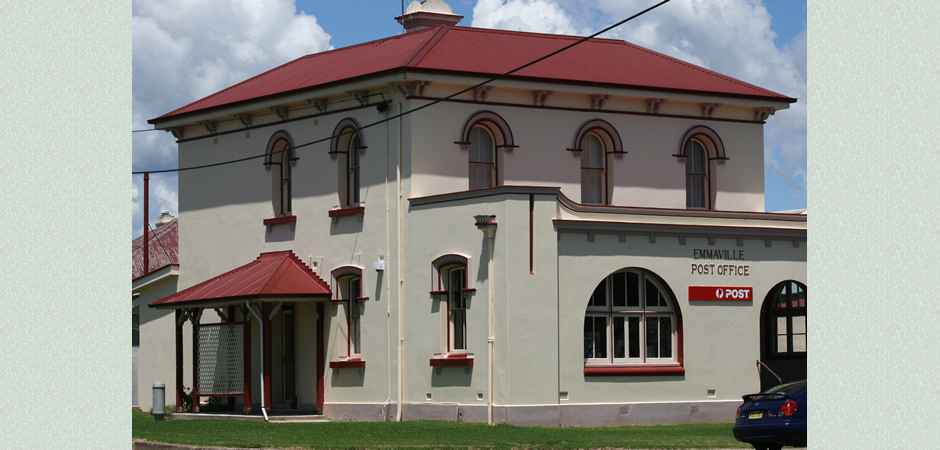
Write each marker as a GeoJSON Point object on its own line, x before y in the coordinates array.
{"type": "Point", "coordinates": [285, 358]}
{"type": "Point", "coordinates": [783, 335]}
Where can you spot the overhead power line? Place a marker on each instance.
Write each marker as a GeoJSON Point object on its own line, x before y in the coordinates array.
{"type": "Point", "coordinates": [417, 108]}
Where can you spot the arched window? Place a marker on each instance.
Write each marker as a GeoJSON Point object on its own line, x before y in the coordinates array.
{"type": "Point", "coordinates": [483, 134]}
{"type": "Point", "coordinates": [483, 170]}
{"type": "Point", "coordinates": [347, 148]}
{"type": "Point", "coordinates": [280, 158]}
{"type": "Point", "coordinates": [696, 175]}
{"type": "Point", "coordinates": [700, 146]}
{"type": "Point", "coordinates": [786, 319]}
{"type": "Point", "coordinates": [595, 140]}
{"type": "Point", "coordinates": [593, 170]}
{"type": "Point", "coordinates": [348, 293]}
{"type": "Point", "coordinates": [451, 288]}
{"type": "Point", "coordinates": [632, 320]}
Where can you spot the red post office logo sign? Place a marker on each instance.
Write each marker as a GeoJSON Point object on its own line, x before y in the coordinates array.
{"type": "Point", "coordinates": [721, 293]}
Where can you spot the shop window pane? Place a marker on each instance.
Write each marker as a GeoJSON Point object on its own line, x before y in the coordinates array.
{"type": "Point", "coordinates": [620, 293]}
{"type": "Point", "coordinates": [652, 294]}
{"type": "Point", "coordinates": [652, 337]}
{"type": "Point", "coordinates": [665, 338]}
{"type": "Point", "coordinates": [588, 337]}
{"type": "Point", "coordinates": [782, 346]}
{"type": "Point", "coordinates": [799, 325]}
{"type": "Point", "coordinates": [633, 289]}
{"type": "Point", "coordinates": [599, 297]}
{"type": "Point", "coordinates": [799, 342]}
{"type": "Point", "coordinates": [600, 337]}
{"type": "Point", "coordinates": [634, 336]}
{"type": "Point", "coordinates": [619, 343]}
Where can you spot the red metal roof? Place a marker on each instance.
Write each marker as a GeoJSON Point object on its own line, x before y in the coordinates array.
{"type": "Point", "coordinates": [164, 249]}
{"type": "Point", "coordinates": [485, 52]}
{"type": "Point", "coordinates": [273, 274]}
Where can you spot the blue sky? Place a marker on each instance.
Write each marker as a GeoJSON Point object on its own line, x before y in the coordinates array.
{"type": "Point", "coordinates": [186, 49]}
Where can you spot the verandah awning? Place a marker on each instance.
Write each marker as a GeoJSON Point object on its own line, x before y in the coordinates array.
{"type": "Point", "coordinates": [272, 274]}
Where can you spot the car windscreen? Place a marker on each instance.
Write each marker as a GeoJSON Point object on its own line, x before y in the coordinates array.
{"type": "Point", "coordinates": [788, 388]}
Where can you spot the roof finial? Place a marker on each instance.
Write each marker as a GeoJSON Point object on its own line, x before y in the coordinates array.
{"type": "Point", "coordinates": [427, 13]}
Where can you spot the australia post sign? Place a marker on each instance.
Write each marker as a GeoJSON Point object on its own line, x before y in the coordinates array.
{"type": "Point", "coordinates": [721, 293]}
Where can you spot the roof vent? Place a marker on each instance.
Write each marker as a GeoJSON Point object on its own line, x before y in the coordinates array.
{"type": "Point", "coordinates": [427, 13]}
{"type": "Point", "coordinates": [165, 218]}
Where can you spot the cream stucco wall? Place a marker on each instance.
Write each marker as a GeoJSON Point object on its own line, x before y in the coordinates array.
{"type": "Point", "coordinates": [648, 175]}
{"type": "Point", "coordinates": [538, 312]}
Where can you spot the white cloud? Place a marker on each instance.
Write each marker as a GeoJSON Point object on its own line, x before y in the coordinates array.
{"type": "Point", "coordinates": [187, 49]}
{"type": "Point", "coordinates": [734, 37]}
{"type": "Point", "coordinates": [544, 16]}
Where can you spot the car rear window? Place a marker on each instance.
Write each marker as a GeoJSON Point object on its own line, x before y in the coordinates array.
{"type": "Point", "coordinates": [788, 388]}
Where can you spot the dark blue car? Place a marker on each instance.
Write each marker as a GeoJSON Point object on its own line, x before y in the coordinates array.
{"type": "Point", "coordinates": [773, 418]}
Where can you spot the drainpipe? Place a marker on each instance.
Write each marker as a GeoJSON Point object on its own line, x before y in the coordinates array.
{"type": "Point", "coordinates": [487, 224]}
{"type": "Point", "coordinates": [399, 270]}
{"type": "Point", "coordinates": [251, 309]}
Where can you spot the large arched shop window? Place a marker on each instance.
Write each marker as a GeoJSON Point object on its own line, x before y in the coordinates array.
{"type": "Point", "coordinates": [483, 135]}
{"type": "Point", "coordinates": [699, 147]}
{"type": "Point", "coordinates": [279, 160]}
{"type": "Point", "coordinates": [347, 147]}
{"type": "Point", "coordinates": [595, 140]}
{"type": "Point", "coordinates": [632, 319]}
{"type": "Point", "coordinates": [451, 288]}
{"type": "Point", "coordinates": [786, 319]}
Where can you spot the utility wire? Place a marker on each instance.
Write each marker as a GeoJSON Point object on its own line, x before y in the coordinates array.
{"type": "Point", "coordinates": [415, 109]}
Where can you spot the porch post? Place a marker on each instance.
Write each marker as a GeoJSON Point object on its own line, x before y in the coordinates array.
{"type": "Point", "coordinates": [246, 391]}
{"type": "Point", "coordinates": [179, 358]}
{"type": "Point", "coordinates": [265, 316]}
{"type": "Point", "coordinates": [230, 317]}
{"type": "Point", "coordinates": [321, 356]}
{"type": "Point", "coordinates": [195, 317]}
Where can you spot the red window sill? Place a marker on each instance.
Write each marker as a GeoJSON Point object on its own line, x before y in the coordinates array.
{"type": "Point", "coordinates": [633, 370]}
{"type": "Point", "coordinates": [356, 363]}
{"type": "Point", "coordinates": [452, 360]}
{"type": "Point", "coordinates": [350, 211]}
{"type": "Point", "coordinates": [280, 219]}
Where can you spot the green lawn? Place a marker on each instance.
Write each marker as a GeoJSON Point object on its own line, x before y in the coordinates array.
{"type": "Point", "coordinates": [425, 434]}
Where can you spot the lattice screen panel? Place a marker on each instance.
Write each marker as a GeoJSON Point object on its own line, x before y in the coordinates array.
{"type": "Point", "coordinates": [220, 358]}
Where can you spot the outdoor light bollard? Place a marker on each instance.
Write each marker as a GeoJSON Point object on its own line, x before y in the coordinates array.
{"type": "Point", "coordinates": [159, 400]}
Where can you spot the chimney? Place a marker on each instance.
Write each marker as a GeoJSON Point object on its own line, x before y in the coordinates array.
{"type": "Point", "coordinates": [165, 218]}
{"type": "Point", "coordinates": [427, 13]}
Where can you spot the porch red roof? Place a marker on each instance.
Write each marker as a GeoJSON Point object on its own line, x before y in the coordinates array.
{"type": "Point", "coordinates": [273, 274]}
{"type": "Point", "coordinates": [485, 52]}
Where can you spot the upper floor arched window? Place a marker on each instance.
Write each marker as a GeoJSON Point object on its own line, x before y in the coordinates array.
{"type": "Point", "coordinates": [279, 160]}
{"type": "Point", "coordinates": [632, 320]}
{"type": "Point", "coordinates": [595, 140]}
{"type": "Point", "coordinates": [347, 147]}
{"type": "Point", "coordinates": [700, 146]}
{"type": "Point", "coordinates": [483, 134]}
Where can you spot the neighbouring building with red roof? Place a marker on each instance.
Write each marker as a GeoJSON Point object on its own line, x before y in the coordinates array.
{"type": "Point", "coordinates": [583, 242]}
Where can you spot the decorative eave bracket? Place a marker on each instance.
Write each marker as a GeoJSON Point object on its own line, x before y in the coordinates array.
{"type": "Point", "coordinates": [539, 97]}
{"type": "Point", "coordinates": [652, 105]}
{"type": "Point", "coordinates": [598, 101]}
{"type": "Point", "coordinates": [361, 96]}
{"type": "Point", "coordinates": [281, 112]}
{"type": "Point", "coordinates": [762, 114]}
{"type": "Point", "coordinates": [480, 93]}
{"type": "Point", "coordinates": [708, 109]}
{"type": "Point", "coordinates": [413, 88]}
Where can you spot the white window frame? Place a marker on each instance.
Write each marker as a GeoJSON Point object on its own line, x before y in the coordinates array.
{"type": "Point", "coordinates": [643, 312]}
{"type": "Point", "coordinates": [449, 299]}
{"type": "Point", "coordinates": [353, 316]}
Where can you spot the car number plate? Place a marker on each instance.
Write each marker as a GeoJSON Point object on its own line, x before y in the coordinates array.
{"type": "Point", "coordinates": [755, 415]}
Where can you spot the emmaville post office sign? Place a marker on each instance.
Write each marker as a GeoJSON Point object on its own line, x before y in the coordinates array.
{"type": "Point", "coordinates": [728, 263]}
